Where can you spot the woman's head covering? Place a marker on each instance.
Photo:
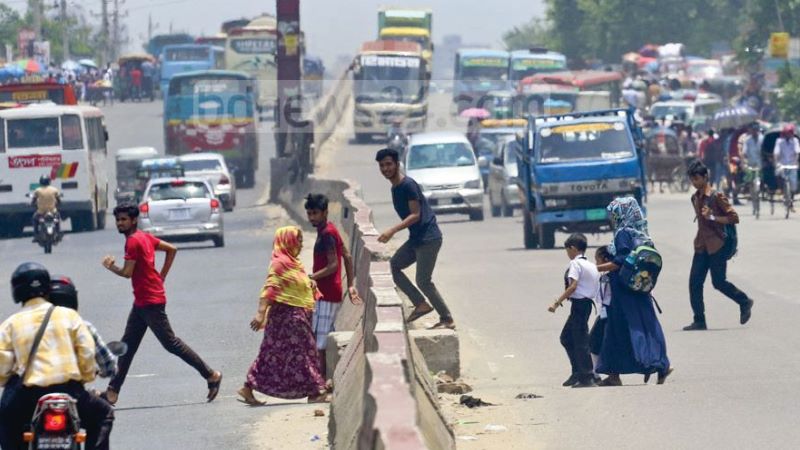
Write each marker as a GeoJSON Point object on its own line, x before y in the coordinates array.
{"type": "Point", "coordinates": [626, 214]}
{"type": "Point", "coordinates": [287, 281]}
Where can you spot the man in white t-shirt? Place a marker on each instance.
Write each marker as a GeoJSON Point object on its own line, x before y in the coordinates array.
{"type": "Point", "coordinates": [581, 286]}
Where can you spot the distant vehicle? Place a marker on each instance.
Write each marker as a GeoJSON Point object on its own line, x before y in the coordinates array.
{"type": "Point", "coordinates": [67, 143]}
{"type": "Point", "coordinates": [214, 111]}
{"type": "Point", "coordinates": [252, 49]}
{"type": "Point", "coordinates": [687, 111]}
{"type": "Point", "coordinates": [700, 70]}
{"type": "Point", "coordinates": [218, 40]}
{"type": "Point", "coordinates": [525, 63]}
{"type": "Point", "coordinates": [390, 85]}
{"type": "Point", "coordinates": [503, 187]}
{"type": "Point", "coordinates": [212, 167]}
{"type": "Point", "coordinates": [158, 42]}
{"type": "Point", "coordinates": [155, 168]}
{"type": "Point", "coordinates": [123, 88]}
{"type": "Point", "coordinates": [313, 76]}
{"type": "Point", "coordinates": [598, 89]}
{"type": "Point", "coordinates": [412, 25]}
{"type": "Point", "coordinates": [178, 59]}
{"type": "Point", "coordinates": [182, 210]}
{"type": "Point", "coordinates": [572, 166]}
{"type": "Point", "coordinates": [478, 71]}
{"type": "Point", "coordinates": [37, 91]}
{"type": "Point", "coordinates": [445, 167]}
{"type": "Point", "coordinates": [491, 136]}
{"type": "Point", "coordinates": [128, 161]}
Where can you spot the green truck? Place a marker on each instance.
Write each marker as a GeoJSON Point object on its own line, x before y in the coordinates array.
{"type": "Point", "coordinates": [399, 17]}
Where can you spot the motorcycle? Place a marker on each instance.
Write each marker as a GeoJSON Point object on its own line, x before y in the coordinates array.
{"type": "Point", "coordinates": [56, 423]}
{"type": "Point", "coordinates": [396, 140]}
{"type": "Point", "coordinates": [48, 231]}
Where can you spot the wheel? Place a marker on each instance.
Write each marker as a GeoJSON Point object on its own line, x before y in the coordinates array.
{"type": "Point", "coordinates": [101, 220]}
{"type": "Point", "coordinates": [362, 138]}
{"type": "Point", "coordinates": [508, 210]}
{"type": "Point", "coordinates": [787, 197]}
{"type": "Point", "coordinates": [246, 178]}
{"type": "Point", "coordinates": [547, 236]}
{"type": "Point", "coordinates": [755, 197]}
{"type": "Point", "coordinates": [228, 206]}
{"type": "Point", "coordinates": [84, 221]}
{"type": "Point", "coordinates": [476, 215]}
{"type": "Point", "coordinates": [527, 229]}
{"type": "Point", "coordinates": [48, 248]}
{"type": "Point", "coordinates": [219, 241]}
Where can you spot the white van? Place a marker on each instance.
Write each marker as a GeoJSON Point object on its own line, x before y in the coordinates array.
{"type": "Point", "coordinates": [66, 143]}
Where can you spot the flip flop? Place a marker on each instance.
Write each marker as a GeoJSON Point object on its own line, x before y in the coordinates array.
{"type": "Point", "coordinates": [249, 401]}
{"type": "Point", "coordinates": [322, 398]}
{"type": "Point", "coordinates": [213, 388]}
{"type": "Point", "coordinates": [416, 314]}
{"type": "Point", "coordinates": [444, 325]}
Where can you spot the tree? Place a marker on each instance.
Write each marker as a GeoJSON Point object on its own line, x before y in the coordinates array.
{"type": "Point", "coordinates": [10, 23]}
{"type": "Point", "coordinates": [535, 33]}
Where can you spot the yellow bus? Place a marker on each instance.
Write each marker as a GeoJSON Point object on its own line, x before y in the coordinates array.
{"type": "Point", "coordinates": [252, 50]}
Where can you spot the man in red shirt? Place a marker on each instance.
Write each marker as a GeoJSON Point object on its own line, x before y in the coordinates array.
{"type": "Point", "coordinates": [329, 252]}
{"type": "Point", "coordinates": [149, 301]}
{"type": "Point", "coordinates": [136, 83]}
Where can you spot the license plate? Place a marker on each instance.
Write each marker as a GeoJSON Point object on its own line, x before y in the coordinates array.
{"type": "Point", "coordinates": [179, 214]}
{"type": "Point", "coordinates": [597, 214]}
{"type": "Point", "coordinates": [54, 442]}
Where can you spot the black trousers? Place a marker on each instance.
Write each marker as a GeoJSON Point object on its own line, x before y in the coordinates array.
{"type": "Point", "coordinates": [97, 415]}
{"type": "Point", "coordinates": [155, 318]}
{"type": "Point", "coordinates": [702, 263]}
{"type": "Point", "coordinates": [575, 339]}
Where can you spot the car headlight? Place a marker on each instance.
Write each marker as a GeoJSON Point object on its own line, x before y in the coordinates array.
{"type": "Point", "coordinates": [474, 184]}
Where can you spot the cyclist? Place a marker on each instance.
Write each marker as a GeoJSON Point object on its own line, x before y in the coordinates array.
{"type": "Point", "coordinates": [46, 199]}
{"type": "Point", "coordinates": [787, 149]}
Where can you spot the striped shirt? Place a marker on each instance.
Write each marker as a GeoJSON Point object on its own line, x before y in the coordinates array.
{"type": "Point", "coordinates": [66, 351]}
{"type": "Point", "coordinates": [106, 361]}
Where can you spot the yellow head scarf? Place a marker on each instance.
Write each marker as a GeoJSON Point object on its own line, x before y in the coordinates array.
{"type": "Point", "coordinates": [287, 281]}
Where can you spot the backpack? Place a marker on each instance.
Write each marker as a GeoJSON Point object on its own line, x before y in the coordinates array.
{"type": "Point", "coordinates": [641, 268]}
{"type": "Point", "coordinates": [729, 234]}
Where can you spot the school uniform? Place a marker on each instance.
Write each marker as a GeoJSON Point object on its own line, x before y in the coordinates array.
{"type": "Point", "coordinates": [599, 327]}
{"type": "Point", "coordinates": [575, 335]}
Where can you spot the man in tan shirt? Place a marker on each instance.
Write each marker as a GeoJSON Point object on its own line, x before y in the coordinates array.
{"type": "Point", "coordinates": [713, 212]}
{"type": "Point", "coordinates": [46, 199]}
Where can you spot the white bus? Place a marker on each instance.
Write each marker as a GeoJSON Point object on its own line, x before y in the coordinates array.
{"type": "Point", "coordinates": [66, 143]}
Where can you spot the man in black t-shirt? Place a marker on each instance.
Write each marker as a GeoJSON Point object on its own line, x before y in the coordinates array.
{"type": "Point", "coordinates": [423, 245]}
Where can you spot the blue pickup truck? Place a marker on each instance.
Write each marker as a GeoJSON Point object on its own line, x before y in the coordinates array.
{"type": "Point", "coordinates": [571, 167]}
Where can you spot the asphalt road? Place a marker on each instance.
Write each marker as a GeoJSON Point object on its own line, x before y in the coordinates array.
{"type": "Point", "coordinates": [212, 295]}
{"type": "Point", "coordinates": [733, 387]}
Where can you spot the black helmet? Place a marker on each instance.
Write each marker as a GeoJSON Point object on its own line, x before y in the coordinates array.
{"type": "Point", "coordinates": [44, 180]}
{"type": "Point", "coordinates": [30, 280]}
{"type": "Point", "coordinates": [63, 292]}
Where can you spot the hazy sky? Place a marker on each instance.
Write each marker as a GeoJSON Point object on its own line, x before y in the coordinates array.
{"type": "Point", "coordinates": [332, 27]}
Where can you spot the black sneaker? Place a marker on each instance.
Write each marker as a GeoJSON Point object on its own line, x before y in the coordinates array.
{"type": "Point", "coordinates": [695, 326]}
{"type": "Point", "coordinates": [570, 381]}
{"type": "Point", "coordinates": [585, 384]}
{"type": "Point", "coordinates": [745, 311]}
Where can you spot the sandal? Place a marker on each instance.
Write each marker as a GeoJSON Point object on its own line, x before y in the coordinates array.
{"type": "Point", "coordinates": [416, 314]}
{"type": "Point", "coordinates": [449, 325]}
{"type": "Point", "coordinates": [324, 397]}
{"type": "Point", "coordinates": [213, 388]}
{"type": "Point", "coordinates": [248, 398]}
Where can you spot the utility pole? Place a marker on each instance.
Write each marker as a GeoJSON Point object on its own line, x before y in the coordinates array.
{"type": "Point", "coordinates": [36, 10]}
{"type": "Point", "coordinates": [117, 28]}
{"type": "Point", "coordinates": [64, 29]}
{"type": "Point", "coordinates": [104, 33]}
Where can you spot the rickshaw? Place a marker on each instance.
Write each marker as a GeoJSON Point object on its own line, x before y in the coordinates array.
{"type": "Point", "coordinates": [122, 79]}
{"type": "Point", "coordinates": [770, 180]}
{"type": "Point", "coordinates": [128, 161]}
{"type": "Point", "coordinates": [666, 161]}
{"type": "Point", "coordinates": [156, 168]}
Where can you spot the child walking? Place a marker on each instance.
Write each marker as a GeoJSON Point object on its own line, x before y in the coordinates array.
{"type": "Point", "coordinates": [581, 286]}
{"type": "Point", "coordinates": [601, 256]}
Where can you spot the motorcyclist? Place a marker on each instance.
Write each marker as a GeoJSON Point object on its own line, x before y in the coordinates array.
{"type": "Point", "coordinates": [64, 293]}
{"type": "Point", "coordinates": [63, 361]}
{"type": "Point", "coordinates": [397, 129]}
{"type": "Point", "coordinates": [46, 199]}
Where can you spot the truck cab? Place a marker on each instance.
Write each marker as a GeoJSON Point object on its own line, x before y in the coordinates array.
{"type": "Point", "coordinates": [572, 166]}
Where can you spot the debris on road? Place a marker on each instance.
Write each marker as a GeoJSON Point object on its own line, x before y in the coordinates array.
{"type": "Point", "coordinates": [315, 438]}
{"type": "Point", "coordinates": [473, 402]}
{"type": "Point", "coordinates": [467, 438]}
{"type": "Point", "coordinates": [319, 413]}
{"type": "Point", "coordinates": [455, 388]}
{"type": "Point", "coordinates": [527, 396]}
{"type": "Point", "coordinates": [495, 428]}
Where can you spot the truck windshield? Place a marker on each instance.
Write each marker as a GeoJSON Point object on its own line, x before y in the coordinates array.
{"type": "Point", "coordinates": [429, 156]}
{"type": "Point", "coordinates": [585, 141]}
{"type": "Point", "coordinates": [389, 78]}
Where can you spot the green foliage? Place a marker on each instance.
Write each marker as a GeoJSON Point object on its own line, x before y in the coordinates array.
{"type": "Point", "coordinates": [82, 36]}
{"type": "Point", "coordinates": [535, 33]}
{"type": "Point", "coordinates": [789, 101]}
{"type": "Point", "coordinates": [10, 22]}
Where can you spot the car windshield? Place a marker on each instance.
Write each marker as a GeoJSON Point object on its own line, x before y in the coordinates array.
{"type": "Point", "coordinates": [178, 191]}
{"type": "Point", "coordinates": [429, 156]}
{"type": "Point", "coordinates": [202, 165]}
{"type": "Point", "coordinates": [661, 111]}
{"type": "Point", "coordinates": [585, 141]}
{"type": "Point", "coordinates": [27, 133]}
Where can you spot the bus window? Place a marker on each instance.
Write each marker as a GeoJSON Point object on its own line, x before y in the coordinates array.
{"type": "Point", "coordinates": [2, 136]}
{"type": "Point", "coordinates": [27, 133]}
{"type": "Point", "coordinates": [71, 136]}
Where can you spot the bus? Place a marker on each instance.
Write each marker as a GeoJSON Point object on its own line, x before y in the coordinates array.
{"type": "Point", "coordinates": [252, 49]}
{"type": "Point", "coordinates": [214, 111]}
{"type": "Point", "coordinates": [158, 42]}
{"type": "Point", "coordinates": [36, 92]}
{"type": "Point", "coordinates": [218, 40]}
{"type": "Point", "coordinates": [525, 63]}
{"type": "Point", "coordinates": [182, 58]}
{"type": "Point", "coordinates": [478, 71]}
{"type": "Point", "coordinates": [66, 143]}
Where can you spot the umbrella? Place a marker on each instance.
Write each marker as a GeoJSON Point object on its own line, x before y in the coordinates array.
{"type": "Point", "coordinates": [29, 65]}
{"type": "Point", "coordinates": [11, 71]}
{"type": "Point", "coordinates": [70, 65]}
{"type": "Point", "coordinates": [475, 113]}
{"type": "Point", "coordinates": [733, 117]}
{"type": "Point", "coordinates": [88, 63]}
{"type": "Point", "coordinates": [649, 50]}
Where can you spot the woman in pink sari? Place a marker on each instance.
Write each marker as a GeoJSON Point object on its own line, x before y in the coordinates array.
{"type": "Point", "coordinates": [287, 365]}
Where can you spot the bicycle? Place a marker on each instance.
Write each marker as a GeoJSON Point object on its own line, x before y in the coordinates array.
{"type": "Point", "coordinates": [752, 179]}
{"type": "Point", "coordinates": [788, 195]}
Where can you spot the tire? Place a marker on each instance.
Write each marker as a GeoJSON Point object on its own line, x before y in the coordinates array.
{"type": "Point", "coordinates": [362, 138]}
{"type": "Point", "coordinates": [228, 206]}
{"type": "Point", "coordinates": [547, 236]}
{"type": "Point", "coordinates": [101, 220]}
{"type": "Point", "coordinates": [508, 211]}
{"type": "Point", "coordinates": [84, 221]}
{"type": "Point", "coordinates": [529, 236]}
{"type": "Point", "coordinates": [219, 241]}
{"type": "Point", "coordinates": [476, 215]}
{"type": "Point", "coordinates": [48, 248]}
{"type": "Point", "coordinates": [247, 178]}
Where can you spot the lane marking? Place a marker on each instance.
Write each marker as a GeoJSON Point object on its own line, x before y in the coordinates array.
{"type": "Point", "coordinates": [142, 375]}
